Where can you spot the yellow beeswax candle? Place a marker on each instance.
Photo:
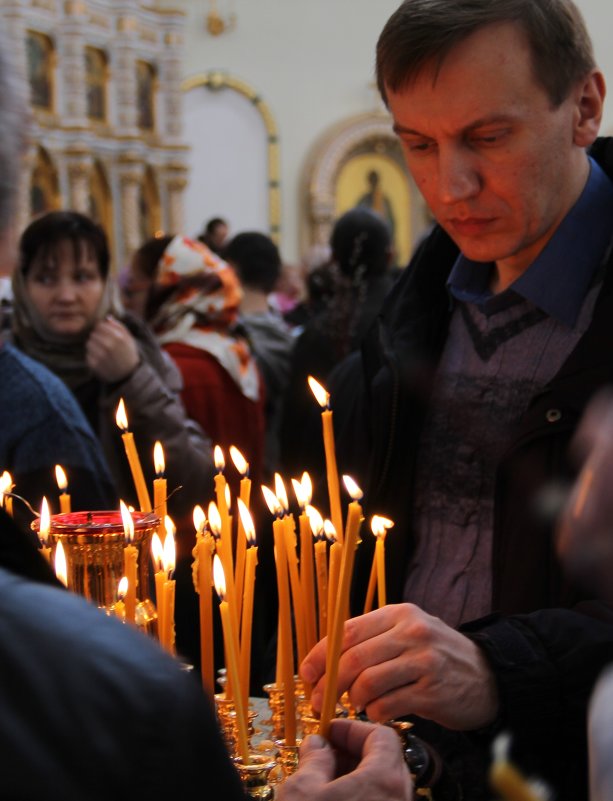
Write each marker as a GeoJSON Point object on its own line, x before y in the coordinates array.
{"type": "Point", "coordinates": [168, 590]}
{"type": "Point", "coordinates": [130, 557]}
{"type": "Point", "coordinates": [242, 466]}
{"type": "Point", "coordinates": [372, 586]}
{"type": "Point", "coordinates": [202, 568]}
{"type": "Point", "coordinates": [251, 560]}
{"type": "Point", "coordinates": [157, 555]}
{"type": "Point", "coordinates": [160, 486]}
{"type": "Point", "coordinates": [334, 569]}
{"type": "Point", "coordinates": [321, 567]}
{"type": "Point", "coordinates": [119, 607]}
{"type": "Point", "coordinates": [333, 653]}
{"type": "Point", "coordinates": [230, 638]}
{"type": "Point", "coordinates": [306, 566]}
{"type": "Point", "coordinates": [285, 623]}
{"type": "Point", "coordinates": [135, 466]}
{"type": "Point", "coordinates": [62, 484]}
{"type": "Point", "coordinates": [323, 398]}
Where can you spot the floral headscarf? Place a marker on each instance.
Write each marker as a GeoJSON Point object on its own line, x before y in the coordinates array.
{"type": "Point", "coordinates": [203, 309]}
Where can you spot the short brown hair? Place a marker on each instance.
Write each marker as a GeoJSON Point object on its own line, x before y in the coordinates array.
{"type": "Point", "coordinates": [423, 32]}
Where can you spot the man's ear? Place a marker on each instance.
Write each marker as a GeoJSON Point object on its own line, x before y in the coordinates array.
{"type": "Point", "coordinates": [590, 95]}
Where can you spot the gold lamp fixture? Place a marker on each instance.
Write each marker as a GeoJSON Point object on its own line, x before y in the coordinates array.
{"type": "Point", "coordinates": [217, 23]}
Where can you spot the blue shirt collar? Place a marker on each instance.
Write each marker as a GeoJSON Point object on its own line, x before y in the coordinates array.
{"type": "Point", "coordinates": [558, 279]}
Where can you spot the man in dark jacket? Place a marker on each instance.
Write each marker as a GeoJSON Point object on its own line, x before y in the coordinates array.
{"type": "Point", "coordinates": [456, 416]}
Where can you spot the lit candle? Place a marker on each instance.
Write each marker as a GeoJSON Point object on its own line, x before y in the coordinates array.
{"type": "Point", "coordinates": [321, 566]}
{"type": "Point", "coordinates": [251, 560]}
{"type": "Point", "coordinates": [133, 460]}
{"type": "Point", "coordinates": [201, 570]}
{"type": "Point", "coordinates": [119, 608]}
{"type": "Point", "coordinates": [160, 488]}
{"type": "Point", "coordinates": [157, 555]}
{"type": "Point", "coordinates": [285, 623]}
{"type": "Point", "coordinates": [130, 556]}
{"type": "Point", "coordinates": [168, 591]}
{"type": "Point", "coordinates": [224, 549]}
{"type": "Point", "coordinates": [6, 486]}
{"type": "Point", "coordinates": [323, 398]}
{"type": "Point", "coordinates": [303, 490]}
{"type": "Point", "coordinates": [230, 638]}
{"type": "Point", "coordinates": [62, 483]}
{"type": "Point", "coordinates": [44, 526]}
{"type": "Point", "coordinates": [333, 653]}
{"type": "Point", "coordinates": [505, 779]}
{"type": "Point", "coordinates": [379, 526]}
{"type": "Point", "coordinates": [241, 540]}
{"type": "Point", "coordinates": [220, 487]}
{"type": "Point", "coordinates": [335, 554]}
{"type": "Point", "coordinates": [61, 568]}
{"type": "Point", "coordinates": [289, 529]}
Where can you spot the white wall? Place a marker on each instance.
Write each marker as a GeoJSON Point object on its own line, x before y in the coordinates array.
{"type": "Point", "coordinates": [312, 63]}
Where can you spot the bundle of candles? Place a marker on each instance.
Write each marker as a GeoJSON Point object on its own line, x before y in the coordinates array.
{"type": "Point", "coordinates": [313, 583]}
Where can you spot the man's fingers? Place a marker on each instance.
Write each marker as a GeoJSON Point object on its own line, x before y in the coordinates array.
{"type": "Point", "coordinates": [357, 630]}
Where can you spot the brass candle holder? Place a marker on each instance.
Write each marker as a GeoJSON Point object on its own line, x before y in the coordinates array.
{"type": "Point", "coordinates": [288, 758]}
{"type": "Point", "coordinates": [255, 776]}
{"type": "Point", "coordinates": [94, 545]}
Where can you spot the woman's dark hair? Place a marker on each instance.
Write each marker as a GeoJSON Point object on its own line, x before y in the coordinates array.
{"type": "Point", "coordinates": [45, 232]}
{"type": "Point", "coordinates": [361, 242]}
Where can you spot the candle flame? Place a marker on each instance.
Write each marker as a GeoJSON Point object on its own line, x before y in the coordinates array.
{"type": "Point", "coordinates": [219, 578]}
{"type": "Point", "coordinates": [128, 523]}
{"type": "Point", "coordinates": [272, 501]}
{"type": "Point", "coordinates": [307, 487]}
{"type": "Point", "coordinates": [379, 525]}
{"type": "Point", "coordinates": [157, 552]}
{"type": "Point", "coordinates": [158, 459]}
{"type": "Point", "coordinates": [214, 519]}
{"type": "Point", "coordinates": [299, 493]}
{"type": "Point", "coordinates": [330, 531]}
{"type": "Point", "coordinates": [321, 395]}
{"type": "Point", "coordinates": [199, 519]}
{"type": "Point", "coordinates": [60, 477]}
{"type": "Point", "coordinates": [352, 488]}
{"type": "Point", "coordinates": [281, 493]}
{"type": "Point", "coordinates": [122, 588]}
{"type": "Point", "coordinates": [6, 484]}
{"type": "Point", "coordinates": [218, 458]}
{"type": "Point", "coordinates": [61, 569]}
{"type": "Point", "coordinates": [44, 523]}
{"type": "Point", "coordinates": [121, 417]}
{"type": "Point", "coordinates": [247, 522]}
{"type": "Point", "coordinates": [316, 521]}
{"type": "Point", "coordinates": [170, 555]}
{"type": "Point", "coordinates": [239, 460]}
{"type": "Point", "coordinates": [227, 496]}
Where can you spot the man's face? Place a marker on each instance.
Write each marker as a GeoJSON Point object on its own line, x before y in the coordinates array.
{"type": "Point", "coordinates": [498, 166]}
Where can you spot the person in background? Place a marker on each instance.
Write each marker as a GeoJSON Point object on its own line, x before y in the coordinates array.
{"type": "Point", "coordinates": [214, 234]}
{"type": "Point", "coordinates": [257, 262]}
{"type": "Point", "coordinates": [89, 708]}
{"type": "Point", "coordinates": [67, 317]}
{"type": "Point", "coordinates": [360, 279]}
{"type": "Point", "coordinates": [457, 414]}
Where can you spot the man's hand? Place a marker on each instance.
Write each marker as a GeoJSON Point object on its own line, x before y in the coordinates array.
{"type": "Point", "coordinates": [362, 762]}
{"type": "Point", "coordinates": [111, 351]}
{"type": "Point", "coordinates": [398, 661]}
